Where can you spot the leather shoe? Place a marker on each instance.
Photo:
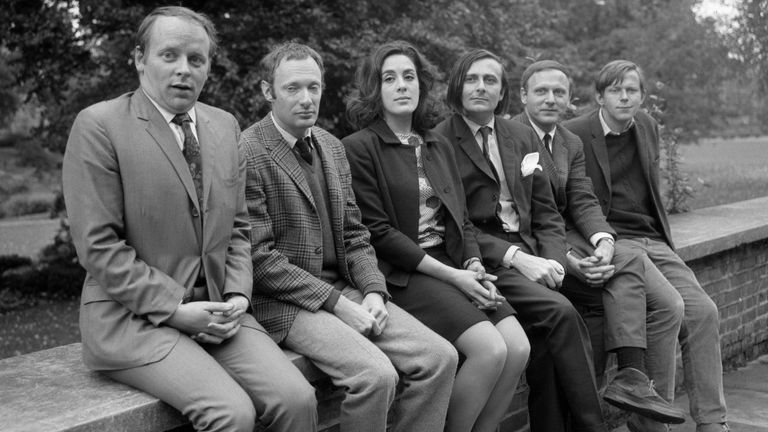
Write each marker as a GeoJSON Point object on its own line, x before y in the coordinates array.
{"type": "Point", "coordinates": [638, 423]}
{"type": "Point", "coordinates": [631, 390]}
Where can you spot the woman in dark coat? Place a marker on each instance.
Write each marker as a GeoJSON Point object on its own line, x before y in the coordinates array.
{"type": "Point", "coordinates": [410, 193]}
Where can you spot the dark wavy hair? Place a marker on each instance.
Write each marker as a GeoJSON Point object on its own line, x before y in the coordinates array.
{"type": "Point", "coordinates": [364, 105]}
{"type": "Point", "coordinates": [459, 74]}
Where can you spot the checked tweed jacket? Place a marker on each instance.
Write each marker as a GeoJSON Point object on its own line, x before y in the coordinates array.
{"type": "Point", "coordinates": [286, 237]}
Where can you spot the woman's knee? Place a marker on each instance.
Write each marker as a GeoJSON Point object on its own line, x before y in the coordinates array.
{"type": "Point", "coordinates": [483, 343]}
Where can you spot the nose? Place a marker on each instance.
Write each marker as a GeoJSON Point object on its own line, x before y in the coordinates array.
{"type": "Point", "coordinates": [305, 98]}
{"type": "Point", "coordinates": [182, 66]}
{"type": "Point", "coordinates": [624, 94]}
{"type": "Point", "coordinates": [480, 86]}
{"type": "Point", "coordinates": [550, 97]}
{"type": "Point", "coordinates": [400, 83]}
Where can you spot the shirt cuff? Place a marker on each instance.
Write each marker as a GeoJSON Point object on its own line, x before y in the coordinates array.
{"type": "Point", "coordinates": [596, 237]}
{"type": "Point", "coordinates": [509, 256]}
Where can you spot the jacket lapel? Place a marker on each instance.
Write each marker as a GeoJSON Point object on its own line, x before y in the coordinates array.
{"type": "Point", "coordinates": [600, 149]}
{"type": "Point", "coordinates": [281, 153]}
{"type": "Point", "coordinates": [163, 136]}
{"type": "Point", "coordinates": [333, 186]}
{"type": "Point", "coordinates": [468, 145]}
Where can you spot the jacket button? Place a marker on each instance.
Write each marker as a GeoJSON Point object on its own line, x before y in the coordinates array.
{"type": "Point", "coordinates": [447, 189]}
{"type": "Point", "coordinates": [195, 213]}
{"type": "Point", "coordinates": [318, 250]}
{"type": "Point", "coordinates": [495, 197]}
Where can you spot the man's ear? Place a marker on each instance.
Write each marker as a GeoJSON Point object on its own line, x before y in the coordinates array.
{"type": "Point", "coordinates": [266, 90]}
{"type": "Point", "coordinates": [138, 58]}
{"type": "Point", "coordinates": [599, 98]}
{"type": "Point", "coordinates": [523, 96]}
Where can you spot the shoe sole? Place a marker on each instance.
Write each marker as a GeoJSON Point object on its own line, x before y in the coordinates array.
{"type": "Point", "coordinates": [626, 404]}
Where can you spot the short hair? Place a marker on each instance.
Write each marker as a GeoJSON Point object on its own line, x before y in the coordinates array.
{"type": "Point", "coordinates": [540, 66]}
{"type": "Point", "coordinates": [614, 72]}
{"type": "Point", "coordinates": [364, 105]}
{"type": "Point", "coordinates": [145, 28]}
{"type": "Point", "coordinates": [287, 51]}
{"type": "Point", "coordinates": [459, 74]}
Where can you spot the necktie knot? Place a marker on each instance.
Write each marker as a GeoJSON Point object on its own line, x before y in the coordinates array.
{"type": "Point", "coordinates": [180, 119]}
{"type": "Point", "coordinates": [303, 146]}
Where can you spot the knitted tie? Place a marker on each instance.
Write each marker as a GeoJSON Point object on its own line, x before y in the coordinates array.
{"type": "Point", "coordinates": [192, 154]}
{"type": "Point", "coordinates": [548, 142]}
{"type": "Point", "coordinates": [304, 149]}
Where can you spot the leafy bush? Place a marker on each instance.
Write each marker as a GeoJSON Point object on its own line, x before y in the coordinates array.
{"type": "Point", "coordinates": [27, 203]}
{"type": "Point", "coordinates": [57, 275]}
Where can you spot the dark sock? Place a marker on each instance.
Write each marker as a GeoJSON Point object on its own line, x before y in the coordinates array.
{"type": "Point", "coordinates": [631, 357]}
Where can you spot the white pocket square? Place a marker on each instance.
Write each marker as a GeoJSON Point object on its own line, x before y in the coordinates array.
{"type": "Point", "coordinates": [530, 164]}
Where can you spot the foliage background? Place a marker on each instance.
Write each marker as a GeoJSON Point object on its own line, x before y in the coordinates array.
{"type": "Point", "coordinates": [65, 55]}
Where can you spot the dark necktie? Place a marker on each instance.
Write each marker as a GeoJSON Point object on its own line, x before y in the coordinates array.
{"type": "Point", "coordinates": [192, 154]}
{"type": "Point", "coordinates": [548, 142]}
{"type": "Point", "coordinates": [304, 149]}
{"type": "Point", "coordinates": [485, 131]}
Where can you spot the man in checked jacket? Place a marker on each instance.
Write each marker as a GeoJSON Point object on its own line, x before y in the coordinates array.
{"type": "Point", "coordinates": [317, 287]}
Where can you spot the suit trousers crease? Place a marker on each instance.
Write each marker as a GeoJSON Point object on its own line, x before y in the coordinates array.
{"type": "Point", "coordinates": [560, 372]}
{"type": "Point", "coordinates": [228, 387]}
{"type": "Point", "coordinates": [675, 285]}
{"type": "Point", "coordinates": [367, 368]}
{"type": "Point", "coordinates": [623, 297]}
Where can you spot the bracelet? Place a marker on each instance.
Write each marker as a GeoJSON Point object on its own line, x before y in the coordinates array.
{"type": "Point", "coordinates": [471, 261]}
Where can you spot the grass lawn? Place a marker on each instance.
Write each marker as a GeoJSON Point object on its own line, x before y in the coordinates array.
{"type": "Point", "coordinates": [726, 171]}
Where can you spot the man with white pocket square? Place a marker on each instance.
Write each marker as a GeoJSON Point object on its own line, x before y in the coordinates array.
{"type": "Point", "coordinates": [521, 233]}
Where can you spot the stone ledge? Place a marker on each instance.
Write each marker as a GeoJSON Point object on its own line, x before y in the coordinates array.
{"type": "Point", "coordinates": [52, 391]}
{"type": "Point", "coordinates": [714, 229]}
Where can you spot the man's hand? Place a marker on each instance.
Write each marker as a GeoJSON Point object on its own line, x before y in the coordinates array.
{"type": "Point", "coordinates": [357, 317]}
{"type": "Point", "coordinates": [544, 271]}
{"type": "Point", "coordinates": [207, 322]}
{"type": "Point", "coordinates": [591, 270]}
{"type": "Point", "coordinates": [374, 304]}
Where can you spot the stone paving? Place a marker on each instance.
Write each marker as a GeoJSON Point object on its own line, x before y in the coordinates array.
{"type": "Point", "coordinates": [746, 394]}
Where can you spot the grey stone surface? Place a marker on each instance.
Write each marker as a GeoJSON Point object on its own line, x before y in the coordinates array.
{"type": "Point", "coordinates": [51, 390]}
{"type": "Point", "coordinates": [714, 229]}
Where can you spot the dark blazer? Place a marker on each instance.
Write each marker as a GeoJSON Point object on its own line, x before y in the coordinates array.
{"type": "Point", "coordinates": [386, 183]}
{"type": "Point", "coordinates": [572, 189]}
{"type": "Point", "coordinates": [541, 226]}
{"type": "Point", "coordinates": [286, 240]}
{"type": "Point", "coordinates": [135, 222]}
{"type": "Point", "coordinates": [598, 168]}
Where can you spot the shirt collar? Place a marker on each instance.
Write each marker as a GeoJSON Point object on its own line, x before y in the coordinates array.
{"type": "Point", "coordinates": [167, 115]}
{"type": "Point", "coordinates": [287, 136]}
{"type": "Point", "coordinates": [539, 131]}
{"type": "Point", "coordinates": [474, 127]}
{"type": "Point", "coordinates": [607, 130]}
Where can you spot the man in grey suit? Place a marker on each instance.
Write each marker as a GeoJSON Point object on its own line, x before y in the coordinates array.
{"type": "Point", "coordinates": [596, 266]}
{"type": "Point", "coordinates": [317, 287]}
{"type": "Point", "coordinates": [154, 184]}
{"type": "Point", "coordinates": [621, 149]}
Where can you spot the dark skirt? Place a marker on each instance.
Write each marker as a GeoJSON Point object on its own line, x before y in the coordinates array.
{"type": "Point", "coordinates": [441, 306]}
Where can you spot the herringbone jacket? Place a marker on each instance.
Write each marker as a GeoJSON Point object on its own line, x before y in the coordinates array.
{"type": "Point", "coordinates": [574, 195]}
{"type": "Point", "coordinates": [286, 237]}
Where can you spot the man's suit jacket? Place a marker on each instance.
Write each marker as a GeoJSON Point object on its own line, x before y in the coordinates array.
{"type": "Point", "coordinates": [541, 226]}
{"type": "Point", "coordinates": [571, 187]}
{"type": "Point", "coordinates": [136, 224]}
{"type": "Point", "coordinates": [386, 184]}
{"type": "Point", "coordinates": [286, 237]}
{"type": "Point", "coordinates": [598, 167]}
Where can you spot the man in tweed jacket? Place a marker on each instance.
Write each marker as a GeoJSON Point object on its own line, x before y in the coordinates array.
{"type": "Point", "coordinates": [596, 266]}
{"type": "Point", "coordinates": [317, 287]}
